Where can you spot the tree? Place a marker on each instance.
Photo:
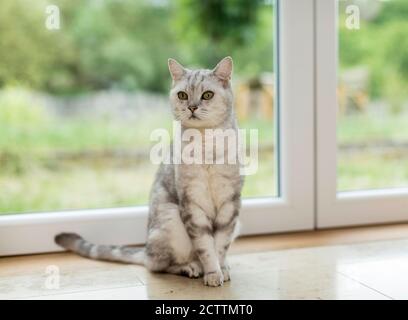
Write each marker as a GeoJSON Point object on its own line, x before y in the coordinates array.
{"type": "Point", "coordinates": [222, 23]}
{"type": "Point", "coordinates": [212, 29]}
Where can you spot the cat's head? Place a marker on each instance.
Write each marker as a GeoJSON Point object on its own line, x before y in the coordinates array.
{"type": "Point", "coordinates": [201, 98]}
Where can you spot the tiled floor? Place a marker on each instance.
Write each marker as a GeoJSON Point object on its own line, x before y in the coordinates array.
{"type": "Point", "coordinates": [372, 270]}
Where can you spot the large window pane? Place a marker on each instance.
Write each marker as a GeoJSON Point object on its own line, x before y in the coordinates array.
{"type": "Point", "coordinates": [78, 102]}
{"type": "Point", "coordinates": [373, 94]}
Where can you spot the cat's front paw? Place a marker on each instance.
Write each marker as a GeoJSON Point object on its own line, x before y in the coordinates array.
{"type": "Point", "coordinates": [214, 279]}
{"type": "Point", "coordinates": [226, 273]}
{"type": "Point", "coordinates": [194, 270]}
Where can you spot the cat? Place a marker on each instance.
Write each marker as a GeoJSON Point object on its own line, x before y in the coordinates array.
{"type": "Point", "coordinates": [194, 208]}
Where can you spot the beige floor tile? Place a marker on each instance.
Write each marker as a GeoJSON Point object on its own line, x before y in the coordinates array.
{"type": "Point", "coordinates": [315, 283]}
{"type": "Point", "coordinates": [387, 275]}
{"type": "Point", "coordinates": [99, 276]}
{"type": "Point", "coordinates": [128, 293]}
{"type": "Point", "coordinates": [375, 270]}
{"type": "Point", "coordinates": [238, 289]}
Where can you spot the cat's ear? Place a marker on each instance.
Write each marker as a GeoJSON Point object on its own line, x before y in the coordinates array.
{"type": "Point", "coordinates": [223, 70]}
{"type": "Point", "coordinates": [176, 69]}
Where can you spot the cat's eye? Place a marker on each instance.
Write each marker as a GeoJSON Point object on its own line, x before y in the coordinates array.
{"type": "Point", "coordinates": [207, 95]}
{"type": "Point", "coordinates": [182, 95]}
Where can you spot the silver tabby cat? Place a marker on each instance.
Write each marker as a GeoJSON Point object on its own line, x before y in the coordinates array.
{"type": "Point", "coordinates": [194, 208]}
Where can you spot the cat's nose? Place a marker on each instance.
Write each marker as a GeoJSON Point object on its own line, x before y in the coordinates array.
{"type": "Point", "coordinates": [192, 108]}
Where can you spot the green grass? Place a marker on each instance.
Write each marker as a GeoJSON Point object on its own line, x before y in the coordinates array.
{"type": "Point", "coordinates": [98, 186]}
{"type": "Point", "coordinates": [369, 169]}
{"type": "Point", "coordinates": [79, 135]}
{"type": "Point", "coordinates": [362, 128]}
{"type": "Point", "coordinates": [33, 179]}
{"type": "Point", "coordinates": [364, 170]}
{"type": "Point", "coordinates": [76, 187]}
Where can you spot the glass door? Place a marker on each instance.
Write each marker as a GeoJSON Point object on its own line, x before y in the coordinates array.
{"type": "Point", "coordinates": [362, 96]}
{"type": "Point", "coordinates": [84, 83]}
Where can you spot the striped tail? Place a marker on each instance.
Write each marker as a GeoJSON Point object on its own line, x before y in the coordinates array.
{"type": "Point", "coordinates": [75, 243]}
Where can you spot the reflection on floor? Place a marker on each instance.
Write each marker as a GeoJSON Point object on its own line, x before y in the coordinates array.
{"type": "Point", "coordinates": [371, 270]}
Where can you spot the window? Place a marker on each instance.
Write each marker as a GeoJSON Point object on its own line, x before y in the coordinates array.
{"type": "Point", "coordinates": [79, 97]}
{"type": "Point", "coordinates": [323, 81]}
{"type": "Point", "coordinates": [372, 130]}
{"type": "Point", "coordinates": [78, 103]}
{"type": "Point", "coordinates": [360, 81]}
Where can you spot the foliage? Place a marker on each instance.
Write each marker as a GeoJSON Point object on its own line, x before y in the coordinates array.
{"type": "Point", "coordinates": [381, 45]}
{"type": "Point", "coordinates": [217, 27]}
{"type": "Point", "coordinates": [18, 111]}
{"type": "Point", "coordinates": [125, 44]}
{"type": "Point", "coordinates": [27, 48]}
{"type": "Point", "coordinates": [220, 21]}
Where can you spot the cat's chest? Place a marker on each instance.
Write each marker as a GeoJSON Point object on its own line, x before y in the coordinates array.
{"type": "Point", "coordinates": [209, 174]}
{"type": "Point", "coordinates": [210, 185]}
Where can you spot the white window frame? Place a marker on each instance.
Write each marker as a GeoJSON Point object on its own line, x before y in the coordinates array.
{"type": "Point", "coordinates": [293, 210]}
{"type": "Point", "coordinates": [334, 208]}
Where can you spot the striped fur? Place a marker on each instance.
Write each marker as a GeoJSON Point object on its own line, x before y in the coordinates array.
{"type": "Point", "coordinates": [75, 243]}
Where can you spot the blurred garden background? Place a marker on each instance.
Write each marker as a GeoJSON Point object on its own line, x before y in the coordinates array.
{"type": "Point", "coordinates": [372, 125]}
{"type": "Point", "coordinates": [77, 104]}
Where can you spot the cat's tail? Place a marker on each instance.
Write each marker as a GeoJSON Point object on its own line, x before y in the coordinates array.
{"type": "Point", "coordinates": [77, 244]}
